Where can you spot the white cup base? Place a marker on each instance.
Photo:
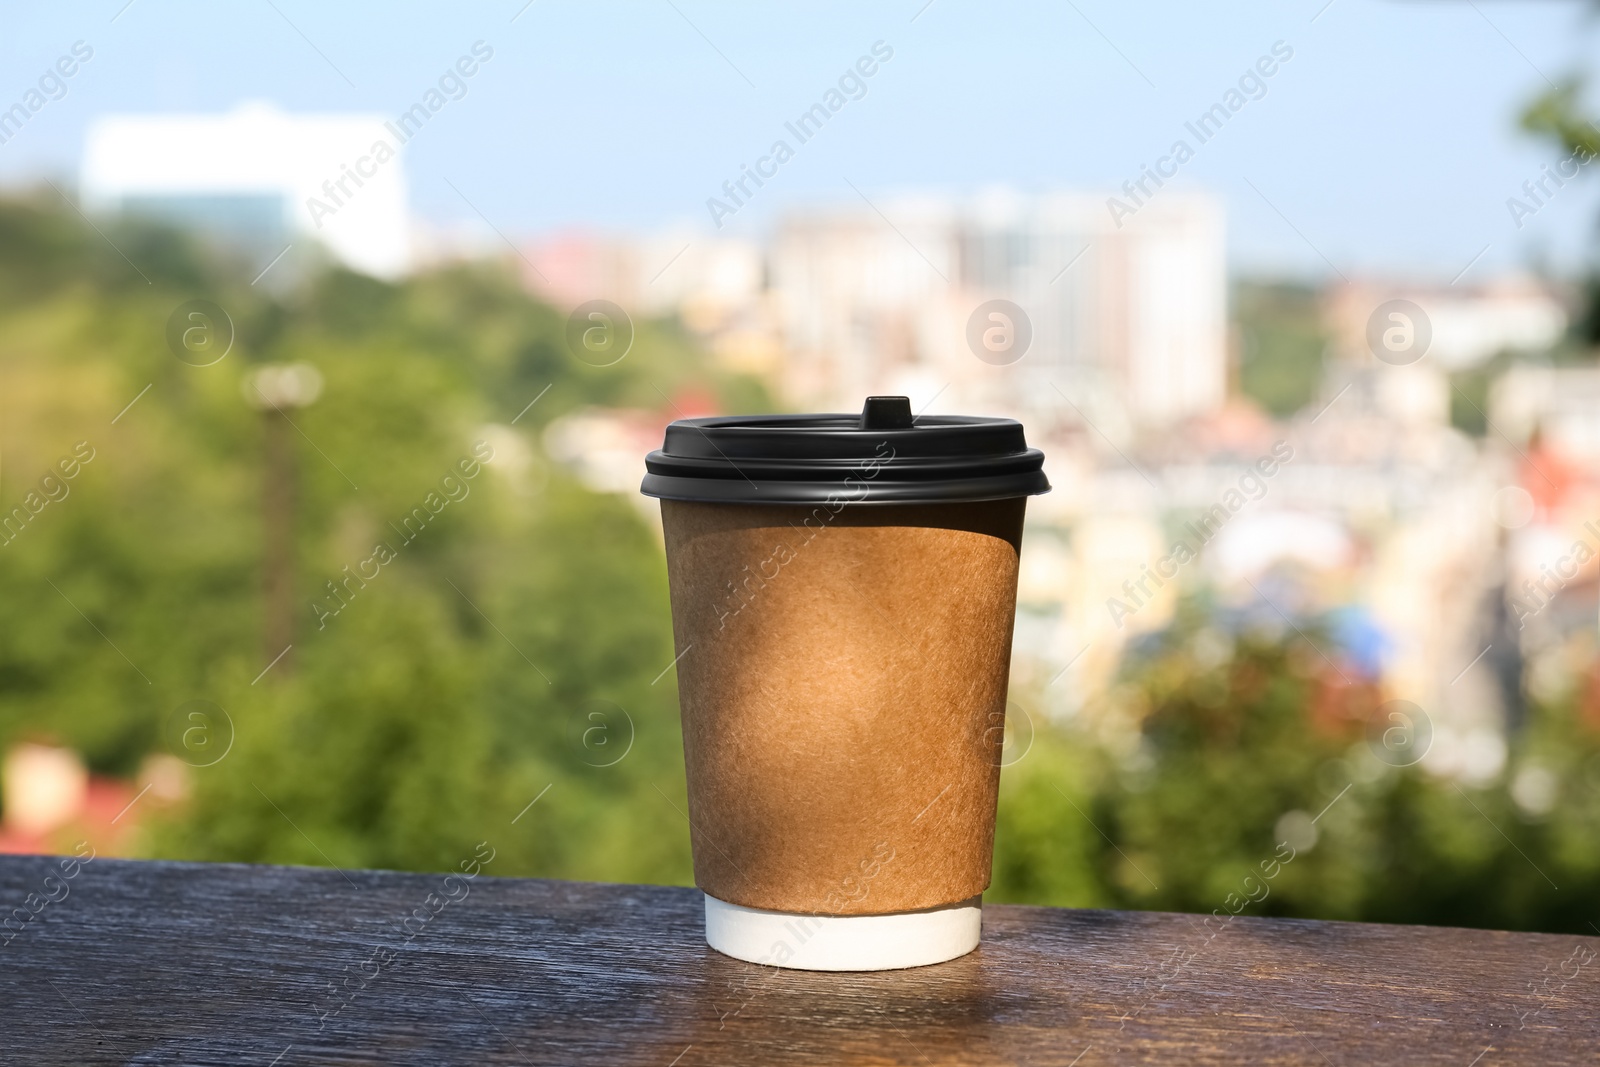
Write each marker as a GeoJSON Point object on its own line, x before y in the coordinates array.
{"type": "Point", "coordinates": [843, 942]}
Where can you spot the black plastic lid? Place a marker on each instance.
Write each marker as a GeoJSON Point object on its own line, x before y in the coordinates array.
{"type": "Point", "coordinates": [881, 456]}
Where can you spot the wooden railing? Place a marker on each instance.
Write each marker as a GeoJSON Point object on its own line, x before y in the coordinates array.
{"type": "Point", "coordinates": [165, 963]}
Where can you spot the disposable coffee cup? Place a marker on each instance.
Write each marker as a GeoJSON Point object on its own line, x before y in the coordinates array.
{"type": "Point", "coordinates": [843, 593]}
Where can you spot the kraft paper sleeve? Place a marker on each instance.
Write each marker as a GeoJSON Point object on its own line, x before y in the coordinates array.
{"type": "Point", "coordinates": [843, 687]}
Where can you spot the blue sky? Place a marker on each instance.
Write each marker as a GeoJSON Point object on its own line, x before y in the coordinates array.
{"type": "Point", "coordinates": [1388, 144]}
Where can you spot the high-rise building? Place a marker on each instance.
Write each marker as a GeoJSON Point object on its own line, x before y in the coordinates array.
{"type": "Point", "coordinates": [1128, 323]}
{"type": "Point", "coordinates": [259, 178]}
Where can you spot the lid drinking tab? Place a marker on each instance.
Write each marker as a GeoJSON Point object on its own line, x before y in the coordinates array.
{"type": "Point", "coordinates": [886, 413]}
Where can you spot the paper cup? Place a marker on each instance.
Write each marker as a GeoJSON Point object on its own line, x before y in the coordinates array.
{"type": "Point", "coordinates": [843, 680]}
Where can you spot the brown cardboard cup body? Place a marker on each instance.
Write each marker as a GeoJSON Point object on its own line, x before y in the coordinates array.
{"type": "Point", "coordinates": [843, 685]}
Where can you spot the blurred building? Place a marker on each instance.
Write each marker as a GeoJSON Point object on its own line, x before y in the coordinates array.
{"type": "Point", "coordinates": [1127, 327]}
{"type": "Point", "coordinates": [1467, 324]}
{"type": "Point", "coordinates": [1378, 534]}
{"type": "Point", "coordinates": [259, 178]}
{"type": "Point", "coordinates": [1129, 324]}
{"type": "Point", "coordinates": [49, 800]}
{"type": "Point", "coordinates": [715, 287]}
{"type": "Point", "coordinates": [1562, 404]}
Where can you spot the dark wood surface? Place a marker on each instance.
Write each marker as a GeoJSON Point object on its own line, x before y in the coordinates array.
{"type": "Point", "coordinates": [162, 963]}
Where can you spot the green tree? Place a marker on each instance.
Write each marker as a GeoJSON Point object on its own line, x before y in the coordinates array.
{"type": "Point", "coordinates": [421, 710]}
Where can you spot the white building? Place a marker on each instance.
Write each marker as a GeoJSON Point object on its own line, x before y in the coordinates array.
{"type": "Point", "coordinates": [1129, 323]}
{"type": "Point", "coordinates": [1465, 325]}
{"type": "Point", "coordinates": [260, 177]}
{"type": "Point", "coordinates": [1562, 403]}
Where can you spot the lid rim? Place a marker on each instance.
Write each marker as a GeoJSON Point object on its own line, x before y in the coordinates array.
{"type": "Point", "coordinates": [659, 462]}
{"type": "Point", "coordinates": [718, 491]}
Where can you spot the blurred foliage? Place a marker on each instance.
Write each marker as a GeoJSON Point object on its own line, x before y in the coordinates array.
{"type": "Point", "coordinates": [511, 652]}
{"type": "Point", "coordinates": [1557, 115]}
{"type": "Point", "coordinates": [511, 646]}
{"type": "Point", "coordinates": [1281, 341]}
{"type": "Point", "coordinates": [1225, 739]}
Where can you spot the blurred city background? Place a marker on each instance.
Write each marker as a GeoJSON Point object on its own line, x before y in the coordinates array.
{"type": "Point", "coordinates": [322, 540]}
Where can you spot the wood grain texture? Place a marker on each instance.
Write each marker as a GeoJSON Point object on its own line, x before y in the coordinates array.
{"type": "Point", "coordinates": [162, 963]}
